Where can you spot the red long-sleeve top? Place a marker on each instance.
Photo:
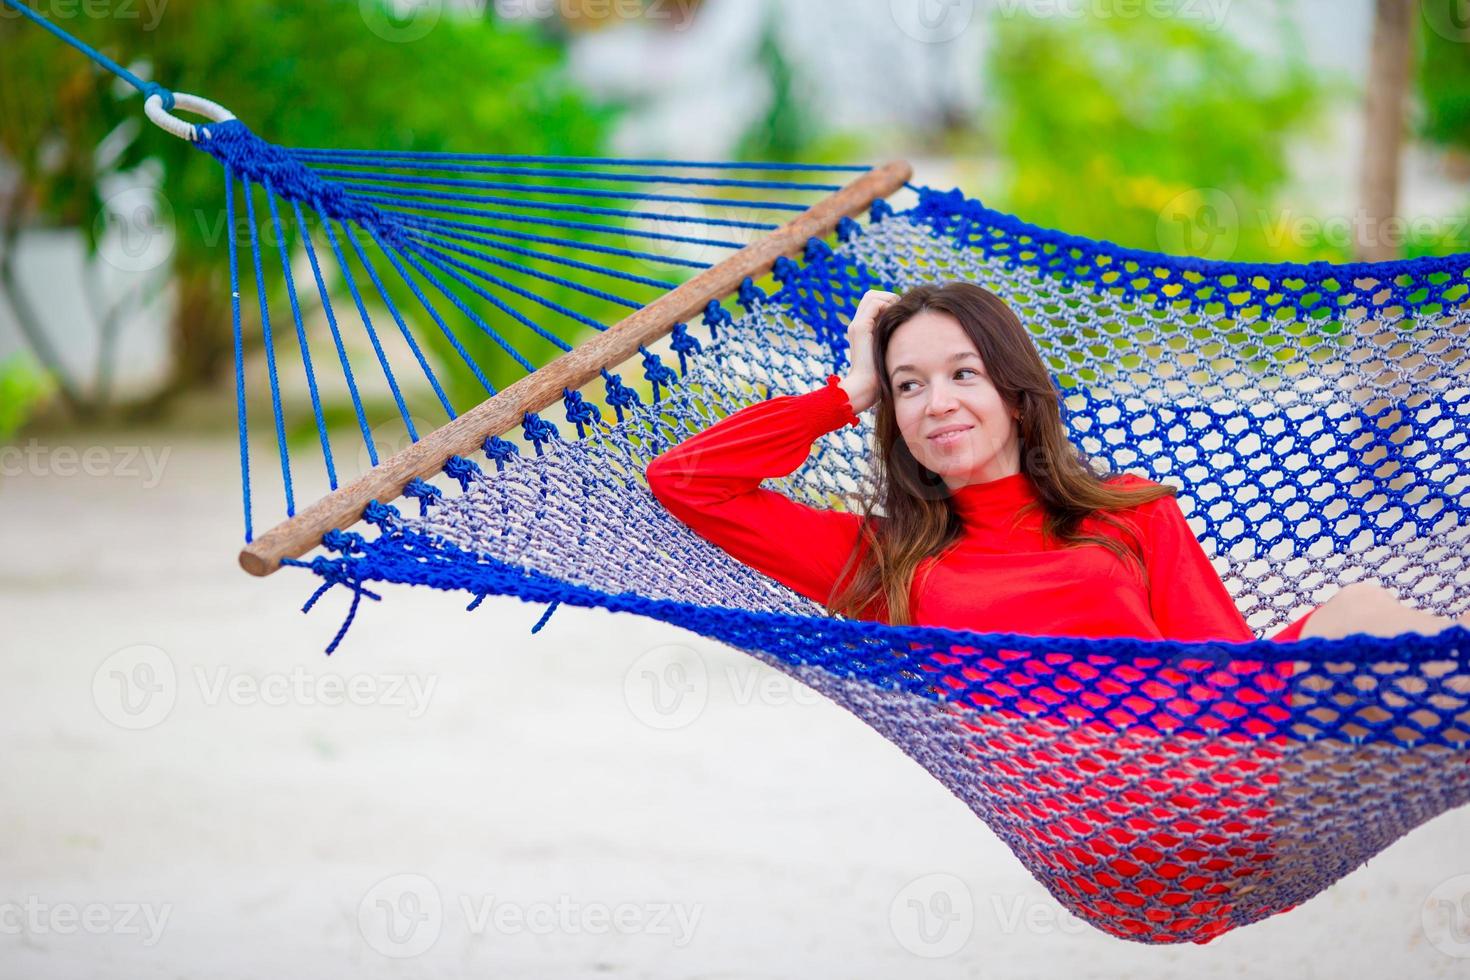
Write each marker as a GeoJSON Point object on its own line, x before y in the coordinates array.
{"type": "Point", "coordinates": [1000, 577]}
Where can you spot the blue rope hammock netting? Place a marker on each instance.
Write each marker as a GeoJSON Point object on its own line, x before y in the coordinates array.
{"type": "Point", "coordinates": [1313, 418]}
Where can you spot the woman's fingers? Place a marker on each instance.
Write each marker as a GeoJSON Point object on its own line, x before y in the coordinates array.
{"type": "Point", "coordinates": [876, 299]}
{"type": "Point", "coordinates": [860, 383]}
{"type": "Point", "coordinates": [873, 303]}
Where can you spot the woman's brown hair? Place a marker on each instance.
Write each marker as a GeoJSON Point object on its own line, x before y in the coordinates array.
{"type": "Point", "coordinates": [918, 519]}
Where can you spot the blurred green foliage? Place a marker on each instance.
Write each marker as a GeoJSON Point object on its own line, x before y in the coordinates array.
{"type": "Point", "coordinates": [1157, 133]}
{"type": "Point", "coordinates": [1443, 114]}
{"type": "Point", "coordinates": [1444, 73]}
{"type": "Point", "coordinates": [1153, 133]}
{"type": "Point", "coordinates": [22, 386]}
{"type": "Point", "coordinates": [786, 127]}
{"type": "Point", "coordinates": [334, 73]}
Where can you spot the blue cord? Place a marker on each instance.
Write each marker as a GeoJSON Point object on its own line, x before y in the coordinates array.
{"type": "Point", "coordinates": [553, 223]}
{"type": "Point", "coordinates": [392, 309]}
{"type": "Point", "coordinates": [270, 350]}
{"type": "Point", "coordinates": [433, 314]}
{"type": "Point", "coordinates": [239, 350]}
{"type": "Point", "coordinates": [439, 226]}
{"type": "Point", "coordinates": [382, 185]}
{"type": "Point", "coordinates": [376, 156]}
{"type": "Point", "coordinates": [321, 288]}
{"type": "Point", "coordinates": [367, 325]}
{"type": "Point", "coordinates": [473, 317]}
{"type": "Point", "coordinates": [433, 238]}
{"type": "Point", "coordinates": [316, 398]}
{"type": "Point", "coordinates": [372, 195]}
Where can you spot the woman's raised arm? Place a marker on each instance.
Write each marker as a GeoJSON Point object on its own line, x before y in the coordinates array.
{"type": "Point", "coordinates": [711, 482]}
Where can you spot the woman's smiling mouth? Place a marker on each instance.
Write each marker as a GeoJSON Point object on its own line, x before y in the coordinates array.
{"type": "Point", "coordinates": [949, 434]}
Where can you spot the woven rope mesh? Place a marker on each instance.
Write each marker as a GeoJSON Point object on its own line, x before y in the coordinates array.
{"type": "Point", "coordinates": [1316, 430]}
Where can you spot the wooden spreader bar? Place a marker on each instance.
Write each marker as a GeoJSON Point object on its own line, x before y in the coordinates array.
{"type": "Point", "coordinates": [503, 411]}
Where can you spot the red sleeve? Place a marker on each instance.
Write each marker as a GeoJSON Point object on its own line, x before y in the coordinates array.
{"type": "Point", "coordinates": [1186, 596]}
{"type": "Point", "coordinates": [711, 482]}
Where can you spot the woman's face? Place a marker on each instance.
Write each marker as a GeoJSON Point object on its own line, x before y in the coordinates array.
{"type": "Point", "coordinates": [949, 414]}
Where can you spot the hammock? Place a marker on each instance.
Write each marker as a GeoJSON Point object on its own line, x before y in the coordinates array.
{"type": "Point", "coordinates": [1313, 416]}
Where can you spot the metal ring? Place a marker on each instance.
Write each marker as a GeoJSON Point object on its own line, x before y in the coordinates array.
{"type": "Point", "coordinates": [166, 120]}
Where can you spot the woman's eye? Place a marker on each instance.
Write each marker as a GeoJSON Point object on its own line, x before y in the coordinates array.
{"type": "Point", "coordinates": [902, 386]}
{"type": "Point", "coordinates": [967, 371]}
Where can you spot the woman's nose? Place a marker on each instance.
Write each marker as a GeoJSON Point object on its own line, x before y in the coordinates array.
{"type": "Point", "coordinates": [941, 399]}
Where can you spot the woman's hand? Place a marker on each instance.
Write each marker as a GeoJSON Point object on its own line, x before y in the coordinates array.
{"type": "Point", "coordinates": [861, 384]}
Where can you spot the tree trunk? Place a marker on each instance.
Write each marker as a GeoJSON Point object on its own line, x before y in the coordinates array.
{"type": "Point", "coordinates": [1380, 233]}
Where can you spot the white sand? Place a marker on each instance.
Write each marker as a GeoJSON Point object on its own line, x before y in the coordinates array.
{"type": "Point", "coordinates": [526, 780]}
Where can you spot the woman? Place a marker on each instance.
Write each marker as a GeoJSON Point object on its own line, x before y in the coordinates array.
{"type": "Point", "coordinates": [991, 519]}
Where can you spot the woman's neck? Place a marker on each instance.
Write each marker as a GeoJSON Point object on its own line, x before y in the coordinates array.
{"type": "Point", "coordinates": [995, 469]}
